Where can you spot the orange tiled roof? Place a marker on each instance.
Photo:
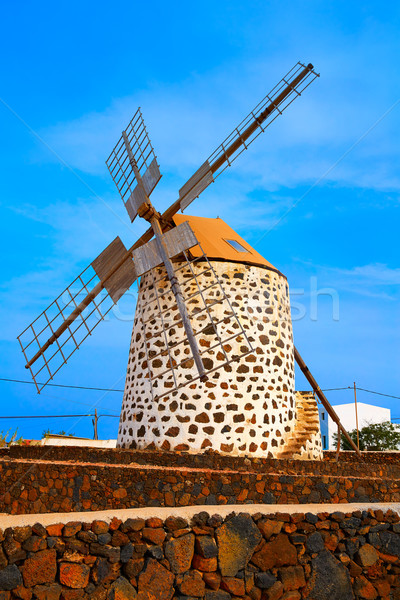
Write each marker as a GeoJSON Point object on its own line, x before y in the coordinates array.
{"type": "Point", "coordinates": [213, 235]}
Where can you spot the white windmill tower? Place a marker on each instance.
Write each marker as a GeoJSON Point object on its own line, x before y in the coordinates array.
{"type": "Point", "coordinates": [211, 357]}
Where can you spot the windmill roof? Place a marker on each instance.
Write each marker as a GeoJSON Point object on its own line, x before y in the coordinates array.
{"type": "Point", "coordinates": [221, 242]}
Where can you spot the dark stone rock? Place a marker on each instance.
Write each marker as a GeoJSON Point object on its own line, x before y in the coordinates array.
{"type": "Point", "coordinates": [21, 534]}
{"type": "Point", "coordinates": [237, 540]}
{"type": "Point", "coordinates": [211, 499]}
{"type": "Point", "coordinates": [47, 592]}
{"type": "Point", "coordinates": [10, 578]}
{"type": "Point", "coordinates": [156, 582]}
{"type": "Point", "coordinates": [217, 595]}
{"type": "Point", "coordinates": [13, 549]}
{"type": "Point", "coordinates": [140, 550]}
{"type": "Point", "coordinates": [132, 525]}
{"type": "Point", "coordinates": [98, 527]}
{"type": "Point", "coordinates": [206, 546]}
{"type": "Point", "coordinates": [311, 518]}
{"type": "Point", "coordinates": [39, 530]}
{"type": "Point", "coordinates": [87, 537]}
{"type": "Point", "coordinates": [77, 546]}
{"type": "Point", "coordinates": [121, 589]}
{"type": "Point", "coordinates": [315, 543]}
{"type": "Point", "coordinates": [351, 523]}
{"type": "Point", "coordinates": [104, 538]}
{"type": "Point", "coordinates": [133, 567]}
{"type": "Point", "coordinates": [41, 567]}
{"type": "Point", "coordinates": [269, 498]}
{"type": "Point", "coordinates": [71, 528]}
{"type": "Point", "coordinates": [179, 552]}
{"type": "Point", "coordinates": [74, 575]}
{"type": "Point", "coordinates": [386, 541]}
{"type": "Point", "coordinates": [278, 553]}
{"type": "Point", "coordinates": [192, 584]}
{"type": "Point", "coordinates": [126, 552]}
{"type": "Point", "coordinates": [292, 577]}
{"type": "Point", "coordinates": [156, 552]}
{"type": "Point", "coordinates": [215, 521]}
{"type": "Point", "coordinates": [175, 523]}
{"type": "Point", "coordinates": [314, 497]}
{"type": "Point", "coordinates": [57, 544]}
{"type": "Point", "coordinates": [104, 572]}
{"type": "Point", "coordinates": [364, 588]}
{"type": "Point", "coordinates": [264, 580]}
{"type": "Point", "coordinates": [34, 544]}
{"type": "Point", "coordinates": [352, 545]}
{"type": "Point", "coordinates": [298, 538]}
{"type": "Point", "coordinates": [329, 579]}
{"type": "Point", "coordinates": [380, 527]}
{"type": "Point", "coordinates": [201, 518]}
{"type": "Point", "coordinates": [367, 555]}
{"type": "Point", "coordinates": [113, 554]}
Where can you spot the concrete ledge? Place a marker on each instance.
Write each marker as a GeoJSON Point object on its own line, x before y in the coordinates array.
{"type": "Point", "coordinates": [188, 512]}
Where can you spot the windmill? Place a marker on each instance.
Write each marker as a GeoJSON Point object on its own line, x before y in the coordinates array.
{"type": "Point", "coordinates": [164, 259]}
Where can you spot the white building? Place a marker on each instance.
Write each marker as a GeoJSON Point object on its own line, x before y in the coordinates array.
{"type": "Point", "coordinates": [367, 414]}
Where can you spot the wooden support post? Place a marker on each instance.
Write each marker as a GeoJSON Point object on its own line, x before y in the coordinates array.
{"type": "Point", "coordinates": [317, 390]}
{"type": "Point", "coordinates": [355, 405]}
{"type": "Point", "coordinates": [94, 421]}
{"type": "Point", "coordinates": [176, 288]}
{"type": "Point", "coordinates": [338, 444]}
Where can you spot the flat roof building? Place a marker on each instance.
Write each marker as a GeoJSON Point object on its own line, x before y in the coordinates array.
{"type": "Point", "coordinates": [367, 414]}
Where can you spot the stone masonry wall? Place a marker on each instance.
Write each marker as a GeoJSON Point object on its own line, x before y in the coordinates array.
{"type": "Point", "coordinates": [373, 464]}
{"type": "Point", "coordinates": [247, 407]}
{"type": "Point", "coordinates": [338, 556]}
{"type": "Point", "coordinates": [39, 486]}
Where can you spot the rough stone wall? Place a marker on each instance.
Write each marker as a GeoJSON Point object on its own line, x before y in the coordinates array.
{"type": "Point", "coordinates": [54, 486]}
{"type": "Point", "coordinates": [338, 556]}
{"type": "Point", "coordinates": [246, 407]}
{"type": "Point", "coordinates": [384, 465]}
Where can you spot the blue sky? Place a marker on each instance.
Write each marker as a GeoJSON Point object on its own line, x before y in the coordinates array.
{"type": "Point", "coordinates": [74, 73]}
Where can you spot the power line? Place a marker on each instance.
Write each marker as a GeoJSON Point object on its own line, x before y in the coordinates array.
{"type": "Point", "coordinates": [99, 389]}
{"type": "Point", "coordinates": [349, 387]}
{"type": "Point", "coordinates": [75, 387]}
{"type": "Point", "coordinates": [336, 389]}
{"type": "Point", "coordinates": [379, 393]}
{"type": "Point", "coordinates": [54, 416]}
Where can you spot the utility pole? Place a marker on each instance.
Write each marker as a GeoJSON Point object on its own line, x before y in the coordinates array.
{"type": "Point", "coordinates": [94, 421]}
{"type": "Point", "coordinates": [355, 405]}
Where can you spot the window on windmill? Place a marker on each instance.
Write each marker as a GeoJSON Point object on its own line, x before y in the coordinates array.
{"type": "Point", "coordinates": [236, 245]}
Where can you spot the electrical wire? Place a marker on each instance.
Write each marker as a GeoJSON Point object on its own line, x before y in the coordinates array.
{"type": "Point", "coordinates": [54, 416]}
{"type": "Point", "coordinates": [350, 387]}
{"type": "Point", "coordinates": [76, 387]}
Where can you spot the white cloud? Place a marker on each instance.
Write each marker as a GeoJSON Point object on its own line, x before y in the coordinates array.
{"type": "Point", "coordinates": [188, 120]}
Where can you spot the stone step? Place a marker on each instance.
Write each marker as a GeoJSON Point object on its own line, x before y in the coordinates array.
{"type": "Point", "coordinates": [307, 425]}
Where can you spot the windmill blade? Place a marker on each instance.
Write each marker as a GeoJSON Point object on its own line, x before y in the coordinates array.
{"type": "Point", "coordinates": [134, 146]}
{"type": "Point", "coordinates": [176, 241]}
{"type": "Point", "coordinates": [53, 337]}
{"type": "Point", "coordinates": [279, 98]}
{"type": "Point", "coordinates": [116, 274]}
